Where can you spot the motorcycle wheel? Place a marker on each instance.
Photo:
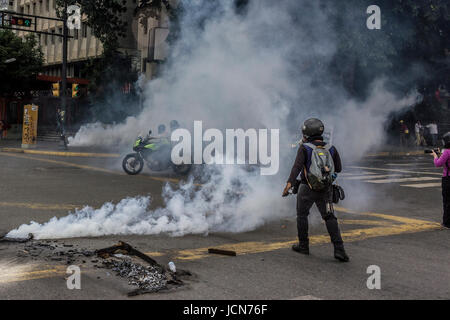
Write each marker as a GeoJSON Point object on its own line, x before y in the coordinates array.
{"type": "Point", "coordinates": [133, 164]}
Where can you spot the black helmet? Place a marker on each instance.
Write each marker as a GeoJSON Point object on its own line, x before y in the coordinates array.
{"type": "Point", "coordinates": [312, 128]}
{"type": "Point", "coordinates": [174, 125]}
{"type": "Point", "coordinates": [446, 140]}
{"type": "Point", "coordinates": [161, 128]}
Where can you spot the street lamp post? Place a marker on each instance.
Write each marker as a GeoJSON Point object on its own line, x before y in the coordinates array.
{"type": "Point", "coordinates": [64, 63]}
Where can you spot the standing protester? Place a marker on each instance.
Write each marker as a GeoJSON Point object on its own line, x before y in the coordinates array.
{"type": "Point", "coordinates": [2, 128]}
{"type": "Point", "coordinates": [404, 133]}
{"type": "Point", "coordinates": [420, 140]}
{"type": "Point", "coordinates": [433, 129]}
{"type": "Point", "coordinates": [444, 161]}
{"type": "Point", "coordinates": [313, 146]}
{"type": "Point", "coordinates": [60, 128]}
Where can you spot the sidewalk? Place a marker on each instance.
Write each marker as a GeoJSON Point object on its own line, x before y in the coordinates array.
{"type": "Point", "coordinates": [395, 151]}
{"type": "Point", "coordinates": [56, 149]}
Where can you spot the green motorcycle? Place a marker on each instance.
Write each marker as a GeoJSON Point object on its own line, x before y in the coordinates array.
{"type": "Point", "coordinates": [155, 152]}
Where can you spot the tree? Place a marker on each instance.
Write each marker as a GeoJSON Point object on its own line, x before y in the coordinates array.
{"type": "Point", "coordinates": [110, 72]}
{"type": "Point", "coordinates": [153, 9]}
{"type": "Point", "coordinates": [18, 75]}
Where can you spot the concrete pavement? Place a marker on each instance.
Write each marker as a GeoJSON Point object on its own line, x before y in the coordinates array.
{"type": "Point", "coordinates": [385, 222]}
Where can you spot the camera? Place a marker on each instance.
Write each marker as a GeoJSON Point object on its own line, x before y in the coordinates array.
{"type": "Point", "coordinates": [431, 151]}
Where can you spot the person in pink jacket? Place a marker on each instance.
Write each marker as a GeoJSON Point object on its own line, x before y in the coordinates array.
{"type": "Point", "coordinates": [444, 161]}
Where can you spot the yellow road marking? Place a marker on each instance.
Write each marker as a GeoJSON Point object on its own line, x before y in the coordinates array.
{"type": "Point", "coordinates": [39, 206]}
{"type": "Point", "coordinates": [86, 167]}
{"type": "Point", "coordinates": [402, 225]}
{"type": "Point", "coordinates": [63, 153]}
{"type": "Point", "coordinates": [364, 222]}
{"type": "Point", "coordinates": [7, 277]}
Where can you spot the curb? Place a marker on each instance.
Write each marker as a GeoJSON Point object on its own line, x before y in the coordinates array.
{"type": "Point", "coordinates": [62, 153]}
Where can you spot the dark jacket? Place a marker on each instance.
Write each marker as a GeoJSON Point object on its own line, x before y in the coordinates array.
{"type": "Point", "coordinates": [302, 161]}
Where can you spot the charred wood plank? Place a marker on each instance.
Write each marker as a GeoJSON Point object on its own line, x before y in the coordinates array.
{"type": "Point", "coordinates": [222, 252]}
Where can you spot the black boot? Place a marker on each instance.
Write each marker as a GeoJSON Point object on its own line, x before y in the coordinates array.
{"type": "Point", "coordinates": [339, 253]}
{"type": "Point", "coordinates": [302, 248]}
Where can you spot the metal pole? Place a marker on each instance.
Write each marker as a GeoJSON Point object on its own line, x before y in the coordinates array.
{"type": "Point", "coordinates": [64, 76]}
{"type": "Point", "coordinates": [64, 64]}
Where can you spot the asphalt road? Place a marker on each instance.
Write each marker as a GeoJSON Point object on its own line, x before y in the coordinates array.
{"type": "Point", "coordinates": [390, 219]}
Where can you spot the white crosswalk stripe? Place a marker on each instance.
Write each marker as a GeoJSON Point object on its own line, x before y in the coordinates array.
{"type": "Point", "coordinates": [397, 176]}
{"type": "Point", "coordinates": [375, 176]}
{"type": "Point", "coordinates": [402, 180]}
{"type": "Point", "coordinates": [350, 174]}
{"type": "Point", "coordinates": [423, 185]}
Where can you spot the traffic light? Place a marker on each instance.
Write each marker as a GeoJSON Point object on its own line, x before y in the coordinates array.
{"type": "Point", "coordinates": [55, 89]}
{"type": "Point", "coordinates": [24, 22]}
{"type": "Point", "coordinates": [75, 90]}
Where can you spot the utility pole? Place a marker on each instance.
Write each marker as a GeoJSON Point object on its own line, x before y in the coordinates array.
{"type": "Point", "coordinates": [64, 63]}
{"type": "Point", "coordinates": [64, 77]}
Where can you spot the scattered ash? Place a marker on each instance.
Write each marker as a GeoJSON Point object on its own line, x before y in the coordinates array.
{"type": "Point", "coordinates": [122, 259]}
{"type": "Point", "coordinates": [148, 279]}
{"type": "Point", "coordinates": [54, 251]}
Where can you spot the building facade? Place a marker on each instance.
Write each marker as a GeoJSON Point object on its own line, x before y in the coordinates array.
{"type": "Point", "coordinates": [81, 47]}
{"type": "Point", "coordinates": [144, 41]}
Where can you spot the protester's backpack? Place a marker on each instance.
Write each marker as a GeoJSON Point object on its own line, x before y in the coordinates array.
{"type": "Point", "coordinates": [321, 168]}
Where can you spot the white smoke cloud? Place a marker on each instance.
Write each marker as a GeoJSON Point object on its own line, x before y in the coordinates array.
{"type": "Point", "coordinates": [224, 203]}
{"type": "Point", "coordinates": [257, 70]}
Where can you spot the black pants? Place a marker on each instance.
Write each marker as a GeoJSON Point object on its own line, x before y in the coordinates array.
{"type": "Point", "coordinates": [305, 200]}
{"type": "Point", "coordinates": [446, 198]}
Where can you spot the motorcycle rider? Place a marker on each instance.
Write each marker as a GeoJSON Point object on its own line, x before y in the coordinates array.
{"type": "Point", "coordinates": [161, 130]}
{"type": "Point", "coordinates": [313, 130]}
{"type": "Point", "coordinates": [174, 125]}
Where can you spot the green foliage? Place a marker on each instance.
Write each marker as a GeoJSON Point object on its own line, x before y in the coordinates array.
{"type": "Point", "coordinates": [18, 75]}
{"type": "Point", "coordinates": [108, 74]}
{"type": "Point", "coordinates": [112, 70]}
{"type": "Point", "coordinates": [153, 8]}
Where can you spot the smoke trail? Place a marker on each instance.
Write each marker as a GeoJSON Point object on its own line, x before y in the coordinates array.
{"type": "Point", "coordinates": [224, 203]}
{"type": "Point", "coordinates": [264, 68]}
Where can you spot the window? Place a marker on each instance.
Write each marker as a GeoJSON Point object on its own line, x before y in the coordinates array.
{"type": "Point", "coordinates": [60, 31]}
{"type": "Point", "coordinates": [34, 8]}
{"type": "Point", "coordinates": [47, 5]}
{"type": "Point", "coordinates": [45, 39]}
{"type": "Point", "coordinates": [53, 36]}
{"type": "Point", "coordinates": [75, 34]}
